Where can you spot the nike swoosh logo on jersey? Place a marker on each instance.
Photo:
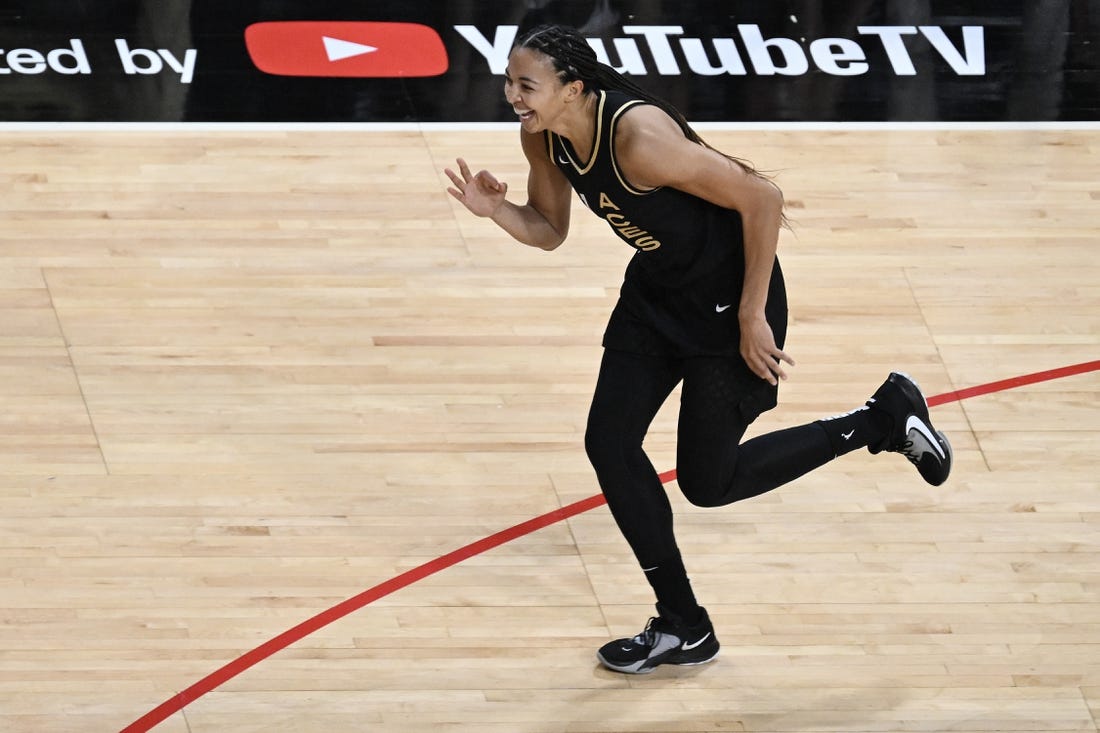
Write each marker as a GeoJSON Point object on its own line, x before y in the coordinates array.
{"type": "Point", "coordinates": [688, 647]}
{"type": "Point", "coordinates": [722, 308]}
{"type": "Point", "coordinates": [915, 423]}
{"type": "Point", "coordinates": [562, 160]}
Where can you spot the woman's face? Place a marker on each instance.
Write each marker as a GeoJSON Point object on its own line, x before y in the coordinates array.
{"type": "Point", "coordinates": [532, 87]}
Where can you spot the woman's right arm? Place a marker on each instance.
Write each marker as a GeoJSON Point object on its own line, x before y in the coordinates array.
{"type": "Point", "coordinates": [543, 221]}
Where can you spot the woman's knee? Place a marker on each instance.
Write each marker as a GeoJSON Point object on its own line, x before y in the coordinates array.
{"type": "Point", "coordinates": [708, 488]}
{"type": "Point", "coordinates": [607, 448]}
{"type": "Point", "coordinates": [595, 445]}
{"type": "Point", "coordinates": [701, 488]}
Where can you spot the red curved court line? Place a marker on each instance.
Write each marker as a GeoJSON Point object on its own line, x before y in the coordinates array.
{"type": "Point", "coordinates": [176, 703]}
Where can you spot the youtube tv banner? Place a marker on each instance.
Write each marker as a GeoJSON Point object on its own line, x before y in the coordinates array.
{"type": "Point", "coordinates": [438, 61]}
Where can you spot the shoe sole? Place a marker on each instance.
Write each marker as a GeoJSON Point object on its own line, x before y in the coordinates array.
{"type": "Point", "coordinates": [950, 453]}
{"type": "Point", "coordinates": [640, 668]}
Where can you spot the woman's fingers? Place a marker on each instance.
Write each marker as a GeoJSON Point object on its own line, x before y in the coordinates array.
{"type": "Point", "coordinates": [485, 178]}
{"type": "Point", "coordinates": [460, 179]}
{"type": "Point", "coordinates": [761, 353]}
{"type": "Point", "coordinates": [464, 170]}
{"type": "Point", "coordinates": [772, 365]}
{"type": "Point", "coordinates": [767, 373]}
{"type": "Point", "coordinates": [769, 365]}
{"type": "Point", "coordinates": [481, 193]}
{"type": "Point", "coordinates": [464, 178]}
{"type": "Point", "coordinates": [776, 369]}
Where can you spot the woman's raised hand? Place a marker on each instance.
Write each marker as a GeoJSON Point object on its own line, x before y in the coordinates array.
{"type": "Point", "coordinates": [481, 193]}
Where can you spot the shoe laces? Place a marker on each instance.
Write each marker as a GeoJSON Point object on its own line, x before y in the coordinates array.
{"type": "Point", "coordinates": [648, 637]}
{"type": "Point", "coordinates": [909, 450]}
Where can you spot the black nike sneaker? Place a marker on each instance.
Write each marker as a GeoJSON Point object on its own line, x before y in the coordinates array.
{"type": "Point", "coordinates": [665, 640]}
{"type": "Point", "coordinates": [912, 433]}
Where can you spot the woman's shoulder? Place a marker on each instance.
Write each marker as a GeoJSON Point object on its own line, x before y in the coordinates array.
{"type": "Point", "coordinates": [643, 122]}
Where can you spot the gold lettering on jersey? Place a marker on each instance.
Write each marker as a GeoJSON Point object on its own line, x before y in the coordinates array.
{"type": "Point", "coordinates": [636, 236]}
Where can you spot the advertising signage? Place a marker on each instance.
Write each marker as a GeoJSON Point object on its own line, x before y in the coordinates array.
{"type": "Point", "coordinates": [757, 61]}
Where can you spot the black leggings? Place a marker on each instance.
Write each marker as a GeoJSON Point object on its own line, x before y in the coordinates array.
{"type": "Point", "coordinates": [712, 467]}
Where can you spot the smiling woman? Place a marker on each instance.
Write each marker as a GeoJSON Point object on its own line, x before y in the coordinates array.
{"type": "Point", "coordinates": [248, 374]}
{"type": "Point", "coordinates": [705, 228]}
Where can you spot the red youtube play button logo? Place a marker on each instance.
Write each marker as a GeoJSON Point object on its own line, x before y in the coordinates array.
{"type": "Point", "coordinates": [345, 48]}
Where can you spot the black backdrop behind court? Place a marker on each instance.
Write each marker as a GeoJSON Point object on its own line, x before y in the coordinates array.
{"type": "Point", "coordinates": [1037, 60]}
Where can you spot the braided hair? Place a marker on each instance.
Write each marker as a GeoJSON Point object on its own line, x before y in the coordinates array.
{"type": "Point", "coordinates": [574, 59]}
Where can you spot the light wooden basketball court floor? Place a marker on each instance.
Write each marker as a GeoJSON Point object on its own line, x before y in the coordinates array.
{"type": "Point", "coordinates": [247, 375]}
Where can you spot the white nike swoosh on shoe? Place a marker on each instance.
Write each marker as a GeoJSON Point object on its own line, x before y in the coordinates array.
{"type": "Point", "coordinates": [688, 647]}
{"type": "Point", "coordinates": [915, 423]}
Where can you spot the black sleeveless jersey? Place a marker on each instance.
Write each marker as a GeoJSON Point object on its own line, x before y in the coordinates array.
{"type": "Point", "coordinates": [682, 287]}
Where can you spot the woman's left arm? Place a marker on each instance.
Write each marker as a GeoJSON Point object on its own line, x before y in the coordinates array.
{"type": "Point", "coordinates": [652, 151]}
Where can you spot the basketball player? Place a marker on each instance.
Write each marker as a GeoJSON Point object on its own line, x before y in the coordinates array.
{"type": "Point", "coordinates": [702, 304]}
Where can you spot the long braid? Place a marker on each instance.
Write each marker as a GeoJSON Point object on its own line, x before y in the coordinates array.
{"type": "Point", "coordinates": [574, 59]}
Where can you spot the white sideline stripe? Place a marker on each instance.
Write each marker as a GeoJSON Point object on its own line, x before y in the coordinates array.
{"type": "Point", "coordinates": [505, 126]}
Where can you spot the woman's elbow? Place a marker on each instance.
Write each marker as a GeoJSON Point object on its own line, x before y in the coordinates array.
{"type": "Point", "coordinates": [551, 245]}
{"type": "Point", "coordinates": [552, 238]}
{"type": "Point", "coordinates": [772, 197]}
